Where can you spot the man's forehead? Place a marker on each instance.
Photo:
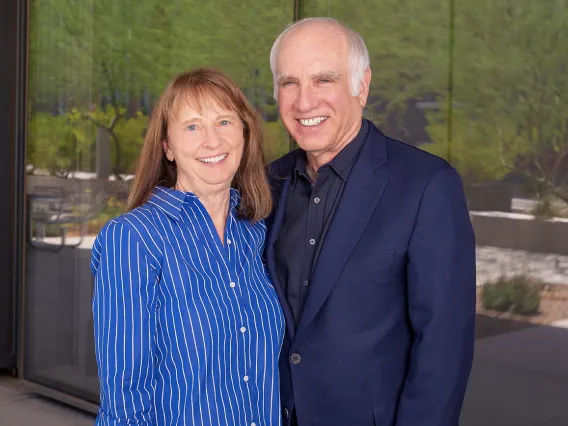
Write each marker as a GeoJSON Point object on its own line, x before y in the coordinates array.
{"type": "Point", "coordinates": [313, 54]}
{"type": "Point", "coordinates": [306, 65]}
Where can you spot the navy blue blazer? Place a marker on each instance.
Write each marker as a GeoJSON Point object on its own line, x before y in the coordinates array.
{"type": "Point", "coordinates": [387, 333]}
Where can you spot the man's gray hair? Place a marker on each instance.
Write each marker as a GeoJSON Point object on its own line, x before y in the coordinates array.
{"type": "Point", "coordinates": [358, 53]}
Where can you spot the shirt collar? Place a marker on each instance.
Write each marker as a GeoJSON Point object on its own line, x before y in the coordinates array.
{"type": "Point", "coordinates": [171, 201]}
{"type": "Point", "coordinates": [343, 161]}
{"type": "Point", "coordinates": [300, 169]}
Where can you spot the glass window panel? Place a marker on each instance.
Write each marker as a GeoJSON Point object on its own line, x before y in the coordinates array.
{"type": "Point", "coordinates": [408, 47]}
{"type": "Point", "coordinates": [510, 144]}
{"type": "Point", "coordinates": [483, 84]}
{"type": "Point", "coordinates": [96, 70]}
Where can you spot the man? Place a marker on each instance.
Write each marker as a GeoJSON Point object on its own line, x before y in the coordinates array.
{"type": "Point", "coordinates": [370, 248]}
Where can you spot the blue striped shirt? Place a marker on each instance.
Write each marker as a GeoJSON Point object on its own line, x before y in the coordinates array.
{"type": "Point", "coordinates": [187, 330]}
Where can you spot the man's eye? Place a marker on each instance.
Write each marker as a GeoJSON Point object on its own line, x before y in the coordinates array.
{"type": "Point", "coordinates": [325, 80]}
{"type": "Point", "coordinates": [191, 127]}
{"type": "Point", "coordinates": [287, 83]}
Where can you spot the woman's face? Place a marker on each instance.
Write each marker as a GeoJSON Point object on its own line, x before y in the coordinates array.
{"type": "Point", "coordinates": [207, 147]}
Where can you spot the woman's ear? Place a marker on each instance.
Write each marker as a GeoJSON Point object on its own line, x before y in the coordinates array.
{"type": "Point", "coordinates": [167, 150]}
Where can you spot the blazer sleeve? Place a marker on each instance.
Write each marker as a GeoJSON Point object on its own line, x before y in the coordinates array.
{"type": "Point", "coordinates": [441, 297]}
{"type": "Point", "coordinates": [124, 326]}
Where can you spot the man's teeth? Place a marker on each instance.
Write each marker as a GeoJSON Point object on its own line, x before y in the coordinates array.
{"type": "Point", "coordinates": [213, 160]}
{"type": "Point", "coordinates": [312, 121]}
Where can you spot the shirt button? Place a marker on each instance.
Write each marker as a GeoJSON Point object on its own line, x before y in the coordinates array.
{"type": "Point", "coordinates": [306, 283]}
{"type": "Point", "coordinates": [317, 200]}
{"type": "Point", "coordinates": [232, 285]}
{"type": "Point", "coordinates": [295, 358]}
{"type": "Point", "coordinates": [246, 378]}
{"type": "Point", "coordinates": [312, 241]}
{"type": "Point", "coordinates": [243, 329]}
{"type": "Point", "coordinates": [253, 424]}
{"type": "Point", "coordinates": [228, 241]}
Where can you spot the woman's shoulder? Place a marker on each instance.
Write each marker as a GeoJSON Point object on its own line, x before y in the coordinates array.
{"type": "Point", "coordinates": [138, 225]}
{"type": "Point", "coordinates": [120, 236]}
{"type": "Point", "coordinates": [139, 220]}
{"type": "Point", "coordinates": [142, 218]}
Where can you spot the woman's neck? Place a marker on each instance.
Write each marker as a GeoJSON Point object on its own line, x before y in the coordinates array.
{"type": "Point", "coordinates": [215, 201]}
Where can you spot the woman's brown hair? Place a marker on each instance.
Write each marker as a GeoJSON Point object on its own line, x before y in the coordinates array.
{"type": "Point", "coordinates": [197, 87]}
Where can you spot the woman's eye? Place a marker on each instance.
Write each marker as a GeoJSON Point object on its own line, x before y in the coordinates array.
{"type": "Point", "coordinates": [191, 127]}
{"type": "Point", "coordinates": [225, 122]}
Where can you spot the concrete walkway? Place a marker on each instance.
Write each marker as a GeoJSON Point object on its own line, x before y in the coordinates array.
{"type": "Point", "coordinates": [19, 407]}
{"type": "Point", "coordinates": [518, 379]}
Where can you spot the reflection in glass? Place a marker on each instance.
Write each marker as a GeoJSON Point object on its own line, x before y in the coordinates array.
{"type": "Point", "coordinates": [96, 69]}
{"type": "Point", "coordinates": [483, 84]}
{"type": "Point", "coordinates": [408, 47]}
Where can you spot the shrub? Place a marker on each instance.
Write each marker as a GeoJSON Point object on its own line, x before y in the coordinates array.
{"type": "Point", "coordinates": [497, 296]}
{"type": "Point", "coordinates": [526, 299]}
{"type": "Point", "coordinates": [517, 294]}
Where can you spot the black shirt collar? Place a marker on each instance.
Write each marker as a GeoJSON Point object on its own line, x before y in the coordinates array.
{"type": "Point", "coordinates": [343, 161]}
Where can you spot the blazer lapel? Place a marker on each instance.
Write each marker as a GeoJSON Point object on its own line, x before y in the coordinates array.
{"type": "Point", "coordinates": [360, 197]}
{"type": "Point", "coordinates": [270, 257]}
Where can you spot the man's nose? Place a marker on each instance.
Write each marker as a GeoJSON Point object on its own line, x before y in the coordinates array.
{"type": "Point", "coordinates": [306, 99]}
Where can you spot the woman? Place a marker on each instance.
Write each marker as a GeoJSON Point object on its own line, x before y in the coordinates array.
{"type": "Point", "coordinates": [188, 328]}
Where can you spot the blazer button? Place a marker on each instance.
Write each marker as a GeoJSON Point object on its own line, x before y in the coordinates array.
{"type": "Point", "coordinates": [286, 413]}
{"type": "Point", "coordinates": [295, 358]}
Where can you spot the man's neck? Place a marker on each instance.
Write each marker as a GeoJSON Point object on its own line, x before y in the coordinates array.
{"type": "Point", "coordinates": [317, 159]}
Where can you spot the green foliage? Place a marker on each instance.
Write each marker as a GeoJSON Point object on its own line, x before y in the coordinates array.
{"type": "Point", "coordinates": [126, 135]}
{"type": "Point", "coordinates": [509, 89]}
{"type": "Point", "coordinates": [130, 133]}
{"type": "Point", "coordinates": [476, 162]}
{"type": "Point", "coordinates": [518, 294]}
{"type": "Point", "coordinates": [112, 208]}
{"type": "Point", "coordinates": [63, 143]}
{"type": "Point", "coordinates": [57, 144]}
{"type": "Point", "coordinates": [276, 141]}
{"type": "Point", "coordinates": [497, 296]}
{"type": "Point", "coordinates": [509, 82]}
{"type": "Point", "coordinates": [509, 106]}
{"type": "Point", "coordinates": [98, 59]}
{"type": "Point", "coordinates": [408, 46]}
{"type": "Point", "coordinates": [526, 300]}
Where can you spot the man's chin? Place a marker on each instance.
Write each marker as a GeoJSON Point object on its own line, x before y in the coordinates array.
{"type": "Point", "coordinates": [312, 144]}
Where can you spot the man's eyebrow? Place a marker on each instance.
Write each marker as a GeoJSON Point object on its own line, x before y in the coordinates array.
{"type": "Point", "coordinates": [280, 78]}
{"type": "Point", "coordinates": [327, 75]}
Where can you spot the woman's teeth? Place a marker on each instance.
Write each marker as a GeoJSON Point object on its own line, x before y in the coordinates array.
{"type": "Point", "coordinates": [213, 160]}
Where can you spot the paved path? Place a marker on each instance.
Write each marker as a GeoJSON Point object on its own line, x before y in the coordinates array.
{"type": "Point", "coordinates": [518, 379]}
{"type": "Point", "coordinates": [18, 407]}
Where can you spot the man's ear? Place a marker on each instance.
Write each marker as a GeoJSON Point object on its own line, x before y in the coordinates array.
{"type": "Point", "coordinates": [364, 88]}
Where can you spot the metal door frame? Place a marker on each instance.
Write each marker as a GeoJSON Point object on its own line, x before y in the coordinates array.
{"type": "Point", "coordinates": [13, 73]}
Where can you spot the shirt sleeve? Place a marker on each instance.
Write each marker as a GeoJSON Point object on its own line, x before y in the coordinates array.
{"type": "Point", "coordinates": [124, 326]}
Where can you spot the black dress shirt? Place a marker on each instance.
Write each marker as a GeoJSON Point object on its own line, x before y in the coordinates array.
{"type": "Point", "coordinates": [309, 209]}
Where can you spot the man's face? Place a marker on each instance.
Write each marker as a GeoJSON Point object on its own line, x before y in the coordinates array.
{"type": "Point", "coordinates": [314, 89]}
